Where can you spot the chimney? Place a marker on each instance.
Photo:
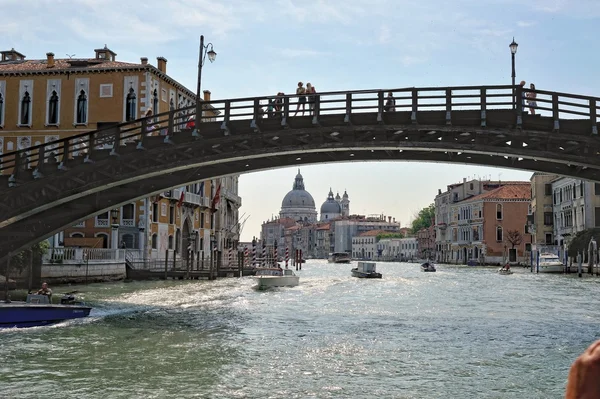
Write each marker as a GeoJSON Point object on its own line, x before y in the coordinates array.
{"type": "Point", "coordinates": [206, 95]}
{"type": "Point", "coordinates": [50, 60]}
{"type": "Point", "coordinates": [161, 64]}
{"type": "Point", "coordinates": [464, 179]}
{"type": "Point", "coordinates": [439, 191]}
{"type": "Point", "coordinates": [389, 219]}
{"type": "Point", "coordinates": [144, 60]}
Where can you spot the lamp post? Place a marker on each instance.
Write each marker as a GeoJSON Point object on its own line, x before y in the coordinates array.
{"type": "Point", "coordinates": [204, 51]}
{"type": "Point", "coordinates": [114, 215]}
{"type": "Point", "coordinates": [513, 50]}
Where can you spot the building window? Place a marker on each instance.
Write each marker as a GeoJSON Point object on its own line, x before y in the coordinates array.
{"type": "Point", "coordinates": [25, 109]}
{"type": "Point", "coordinates": [81, 108]}
{"type": "Point", "coordinates": [499, 233]}
{"type": "Point", "coordinates": [528, 247]}
{"type": "Point", "coordinates": [171, 214]}
{"type": "Point", "coordinates": [548, 238]}
{"type": "Point", "coordinates": [171, 242]}
{"type": "Point", "coordinates": [155, 104]}
{"type": "Point", "coordinates": [155, 212]}
{"type": "Point", "coordinates": [130, 105]}
{"type": "Point", "coordinates": [499, 211]}
{"type": "Point", "coordinates": [201, 220]}
{"type": "Point", "coordinates": [547, 218]}
{"type": "Point", "coordinates": [596, 188]}
{"type": "Point", "coordinates": [1, 109]}
{"type": "Point", "coordinates": [597, 216]}
{"type": "Point", "coordinates": [76, 235]}
{"type": "Point", "coordinates": [548, 189]}
{"type": "Point", "coordinates": [154, 241]}
{"type": "Point", "coordinates": [53, 108]}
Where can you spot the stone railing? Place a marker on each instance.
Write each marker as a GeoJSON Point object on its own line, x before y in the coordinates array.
{"type": "Point", "coordinates": [82, 255]}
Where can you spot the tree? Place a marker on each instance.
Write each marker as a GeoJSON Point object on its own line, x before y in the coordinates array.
{"type": "Point", "coordinates": [424, 219]}
{"type": "Point", "coordinates": [514, 238]}
{"type": "Point", "coordinates": [21, 260]}
{"type": "Point", "coordinates": [389, 235]}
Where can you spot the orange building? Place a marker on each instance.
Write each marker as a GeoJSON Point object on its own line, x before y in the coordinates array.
{"type": "Point", "coordinates": [485, 227]}
{"type": "Point", "coordinates": [43, 100]}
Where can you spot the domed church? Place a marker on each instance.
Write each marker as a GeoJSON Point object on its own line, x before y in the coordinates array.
{"type": "Point", "coordinates": [333, 208]}
{"type": "Point", "coordinates": [298, 204]}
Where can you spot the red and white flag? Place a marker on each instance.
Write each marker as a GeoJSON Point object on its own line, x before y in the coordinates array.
{"type": "Point", "coordinates": [216, 198]}
{"type": "Point", "coordinates": [181, 197]}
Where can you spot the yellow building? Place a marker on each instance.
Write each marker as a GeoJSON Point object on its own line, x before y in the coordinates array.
{"type": "Point", "coordinates": [46, 99]}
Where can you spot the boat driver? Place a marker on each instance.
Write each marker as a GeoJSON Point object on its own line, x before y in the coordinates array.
{"type": "Point", "coordinates": [45, 290]}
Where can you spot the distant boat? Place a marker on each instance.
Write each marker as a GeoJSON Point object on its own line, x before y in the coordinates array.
{"type": "Point", "coordinates": [550, 263]}
{"type": "Point", "coordinates": [505, 271]}
{"type": "Point", "coordinates": [38, 311]}
{"type": "Point", "coordinates": [428, 267]}
{"type": "Point", "coordinates": [276, 277]}
{"type": "Point", "coordinates": [365, 270]}
{"type": "Point", "coordinates": [339, 257]}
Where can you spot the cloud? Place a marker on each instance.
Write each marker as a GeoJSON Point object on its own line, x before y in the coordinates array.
{"type": "Point", "coordinates": [300, 53]}
{"type": "Point", "coordinates": [526, 24]}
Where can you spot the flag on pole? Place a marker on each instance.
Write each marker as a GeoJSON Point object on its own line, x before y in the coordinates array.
{"type": "Point", "coordinates": [201, 189]}
{"type": "Point", "coordinates": [181, 197]}
{"type": "Point", "coordinates": [216, 198]}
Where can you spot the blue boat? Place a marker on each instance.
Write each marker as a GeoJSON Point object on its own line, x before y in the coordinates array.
{"type": "Point", "coordinates": [38, 311]}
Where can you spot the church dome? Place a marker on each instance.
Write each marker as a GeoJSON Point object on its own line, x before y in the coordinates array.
{"type": "Point", "coordinates": [331, 205]}
{"type": "Point", "coordinates": [298, 197]}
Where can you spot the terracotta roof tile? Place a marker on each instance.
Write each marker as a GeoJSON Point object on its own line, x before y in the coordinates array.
{"type": "Point", "coordinates": [513, 191]}
{"type": "Point", "coordinates": [63, 64]}
{"type": "Point", "coordinates": [324, 227]}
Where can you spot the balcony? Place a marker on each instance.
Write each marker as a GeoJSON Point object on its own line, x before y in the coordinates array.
{"type": "Point", "coordinates": [442, 226]}
{"type": "Point", "coordinates": [80, 224]}
{"type": "Point", "coordinates": [128, 222]}
{"type": "Point", "coordinates": [190, 198]}
{"type": "Point", "coordinates": [102, 223]}
{"type": "Point", "coordinates": [228, 194]}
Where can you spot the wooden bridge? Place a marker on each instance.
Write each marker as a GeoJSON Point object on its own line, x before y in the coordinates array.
{"type": "Point", "coordinates": [48, 187]}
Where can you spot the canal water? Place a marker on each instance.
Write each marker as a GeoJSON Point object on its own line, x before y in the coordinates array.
{"type": "Point", "coordinates": [462, 332]}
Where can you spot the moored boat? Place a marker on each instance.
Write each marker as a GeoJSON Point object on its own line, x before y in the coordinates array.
{"type": "Point", "coordinates": [339, 257]}
{"type": "Point", "coordinates": [550, 263]}
{"type": "Point", "coordinates": [38, 311]}
{"type": "Point", "coordinates": [365, 270]}
{"type": "Point", "coordinates": [276, 277]}
{"type": "Point", "coordinates": [428, 267]}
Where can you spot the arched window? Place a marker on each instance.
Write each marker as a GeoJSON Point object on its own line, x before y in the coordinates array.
{"type": "Point", "coordinates": [82, 107]}
{"type": "Point", "coordinates": [76, 235]}
{"type": "Point", "coordinates": [170, 242]}
{"type": "Point", "coordinates": [1, 108]}
{"type": "Point", "coordinates": [499, 211]}
{"type": "Point", "coordinates": [499, 234]}
{"type": "Point", "coordinates": [25, 108]}
{"type": "Point", "coordinates": [53, 108]}
{"type": "Point", "coordinates": [130, 106]}
{"type": "Point", "coordinates": [154, 241]}
{"type": "Point", "coordinates": [155, 104]}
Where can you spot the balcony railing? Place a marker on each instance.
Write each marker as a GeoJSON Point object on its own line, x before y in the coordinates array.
{"type": "Point", "coordinates": [128, 222]}
{"type": "Point", "coordinates": [228, 194]}
{"type": "Point", "coordinates": [191, 198]}
{"type": "Point", "coordinates": [102, 223]}
{"type": "Point", "coordinates": [80, 224]}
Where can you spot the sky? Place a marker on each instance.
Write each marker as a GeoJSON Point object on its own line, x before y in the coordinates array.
{"type": "Point", "coordinates": [266, 46]}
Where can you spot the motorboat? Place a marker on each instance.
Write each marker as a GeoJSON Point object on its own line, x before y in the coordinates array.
{"type": "Point", "coordinates": [365, 270]}
{"type": "Point", "coordinates": [37, 310]}
{"type": "Point", "coordinates": [505, 271]}
{"type": "Point", "coordinates": [276, 277]}
{"type": "Point", "coordinates": [428, 267]}
{"type": "Point", "coordinates": [550, 263]}
{"type": "Point", "coordinates": [339, 257]}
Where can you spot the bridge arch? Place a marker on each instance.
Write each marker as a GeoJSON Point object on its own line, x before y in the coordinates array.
{"type": "Point", "coordinates": [60, 183]}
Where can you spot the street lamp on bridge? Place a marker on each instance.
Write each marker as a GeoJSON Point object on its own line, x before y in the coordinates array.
{"type": "Point", "coordinates": [513, 50]}
{"type": "Point", "coordinates": [204, 51]}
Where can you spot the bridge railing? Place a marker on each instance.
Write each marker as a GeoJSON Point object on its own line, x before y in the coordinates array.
{"type": "Point", "coordinates": [282, 110]}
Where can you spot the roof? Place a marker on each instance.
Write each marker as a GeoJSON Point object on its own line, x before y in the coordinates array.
{"type": "Point", "coordinates": [517, 191]}
{"type": "Point", "coordinates": [373, 233]}
{"type": "Point", "coordinates": [81, 65]}
{"type": "Point", "coordinates": [326, 226]}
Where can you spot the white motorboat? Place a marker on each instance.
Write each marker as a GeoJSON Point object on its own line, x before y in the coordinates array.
{"type": "Point", "coordinates": [339, 257]}
{"type": "Point", "coordinates": [276, 277]}
{"type": "Point", "coordinates": [550, 263]}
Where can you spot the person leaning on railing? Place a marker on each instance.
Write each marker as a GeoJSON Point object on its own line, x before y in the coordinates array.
{"type": "Point", "coordinates": [584, 376]}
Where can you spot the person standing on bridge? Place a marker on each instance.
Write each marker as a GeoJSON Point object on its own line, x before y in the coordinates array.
{"type": "Point", "coordinates": [310, 94]}
{"type": "Point", "coordinates": [531, 96]}
{"type": "Point", "coordinates": [300, 92]}
{"type": "Point", "coordinates": [390, 103]}
{"type": "Point", "coordinates": [523, 95]}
